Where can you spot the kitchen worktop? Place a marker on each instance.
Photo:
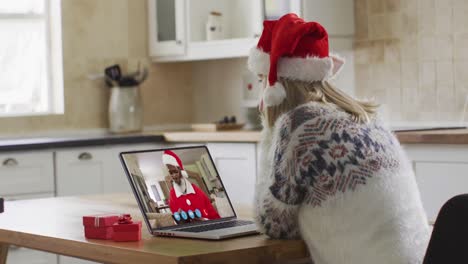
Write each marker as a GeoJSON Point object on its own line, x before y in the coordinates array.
{"type": "Point", "coordinates": [444, 136]}
{"type": "Point", "coordinates": [18, 144]}
{"type": "Point", "coordinates": [447, 136]}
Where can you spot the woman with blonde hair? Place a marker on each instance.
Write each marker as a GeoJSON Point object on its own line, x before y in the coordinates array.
{"type": "Point", "coordinates": [331, 173]}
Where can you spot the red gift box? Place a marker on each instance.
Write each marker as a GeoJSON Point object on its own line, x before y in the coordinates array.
{"type": "Point", "coordinates": [99, 226]}
{"type": "Point", "coordinates": [127, 230]}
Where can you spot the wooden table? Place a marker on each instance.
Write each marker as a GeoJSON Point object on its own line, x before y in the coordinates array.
{"type": "Point", "coordinates": [55, 225]}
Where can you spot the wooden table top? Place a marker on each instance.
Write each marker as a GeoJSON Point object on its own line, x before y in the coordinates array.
{"type": "Point", "coordinates": [55, 225]}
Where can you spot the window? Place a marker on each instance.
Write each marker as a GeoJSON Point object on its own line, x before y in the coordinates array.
{"type": "Point", "coordinates": [31, 80]}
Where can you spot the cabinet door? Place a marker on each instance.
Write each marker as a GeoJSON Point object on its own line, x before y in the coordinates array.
{"type": "Point", "coordinates": [23, 173]}
{"type": "Point", "coordinates": [80, 171]}
{"type": "Point", "coordinates": [236, 164]}
{"type": "Point", "coordinates": [166, 27]}
{"type": "Point", "coordinates": [438, 182]}
{"type": "Point", "coordinates": [441, 173]}
{"type": "Point", "coordinates": [18, 255]}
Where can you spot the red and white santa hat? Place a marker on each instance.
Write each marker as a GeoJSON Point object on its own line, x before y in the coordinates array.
{"type": "Point", "coordinates": [170, 158]}
{"type": "Point", "coordinates": [294, 49]}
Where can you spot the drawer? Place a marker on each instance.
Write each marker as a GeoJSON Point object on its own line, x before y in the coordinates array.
{"type": "Point", "coordinates": [23, 173]}
{"type": "Point", "coordinates": [17, 255]}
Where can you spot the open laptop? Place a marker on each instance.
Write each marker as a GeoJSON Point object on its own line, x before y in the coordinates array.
{"type": "Point", "coordinates": [180, 193]}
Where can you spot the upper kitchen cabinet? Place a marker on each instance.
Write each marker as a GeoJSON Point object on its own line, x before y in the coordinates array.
{"type": "Point", "coordinates": [184, 30]}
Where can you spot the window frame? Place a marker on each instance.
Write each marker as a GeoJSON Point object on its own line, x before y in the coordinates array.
{"type": "Point", "coordinates": [52, 18]}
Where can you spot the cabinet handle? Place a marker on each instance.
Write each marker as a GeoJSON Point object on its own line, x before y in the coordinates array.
{"type": "Point", "coordinates": [10, 162]}
{"type": "Point", "coordinates": [179, 42]}
{"type": "Point", "coordinates": [85, 156]}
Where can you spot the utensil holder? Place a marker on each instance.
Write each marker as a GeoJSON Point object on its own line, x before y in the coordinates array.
{"type": "Point", "coordinates": [125, 110]}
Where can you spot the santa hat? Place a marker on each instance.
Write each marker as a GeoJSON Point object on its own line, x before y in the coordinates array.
{"type": "Point", "coordinates": [293, 49]}
{"type": "Point", "coordinates": [170, 158]}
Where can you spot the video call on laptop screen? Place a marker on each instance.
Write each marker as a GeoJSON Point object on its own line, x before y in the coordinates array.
{"type": "Point", "coordinates": [178, 186]}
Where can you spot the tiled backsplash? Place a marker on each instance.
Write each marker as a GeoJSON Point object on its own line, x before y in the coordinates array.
{"type": "Point", "coordinates": [412, 56]}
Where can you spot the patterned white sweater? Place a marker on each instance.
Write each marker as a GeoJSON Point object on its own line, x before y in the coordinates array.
{"type": "Point", "coordinates": [345, 187]}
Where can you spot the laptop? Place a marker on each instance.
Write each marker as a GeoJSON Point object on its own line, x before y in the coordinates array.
{"type": "Point", "coordinates": [180, 193]}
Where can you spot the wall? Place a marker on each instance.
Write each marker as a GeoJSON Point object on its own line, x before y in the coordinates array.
{"type": "Point", "coordinates": [217, 89]}
{"type": "Point", "coordinates": [97, 34]}
{"type": "Point", "coordinates": [412, 56]}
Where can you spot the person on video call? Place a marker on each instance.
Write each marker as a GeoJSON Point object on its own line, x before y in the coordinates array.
{"type": "Point", "coordinates": [184, 195]}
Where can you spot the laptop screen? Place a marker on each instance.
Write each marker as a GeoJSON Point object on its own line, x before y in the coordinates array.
{"type": "Point", "coordinates": [177, 186]}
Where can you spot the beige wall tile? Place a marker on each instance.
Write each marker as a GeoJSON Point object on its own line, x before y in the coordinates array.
{"type": "Point", "coordinates": [409, 20]}
{"type": "Point", "coordinates": [427, 49]}
{"type": "Point", "coordinates": [461, 46]}
{"type": "Point", "coordinates": [425, 5]}
{"type": "Point", "coordinates": [445, 73]}
{"type": "Point", "coordinates": [426, 17]}
{"type": "Point", "coordinates": [95, 28]}
{"type": "Point", "coordinates": [395, 24]}
{"type": "Point", "coordinates": [369, 52]}
{"type": "Point", "coordinates": [427, 76]}
{"type": "Point", "coordinates": [379, 27]}
{"type": "Point", "coordinates": [409, 48]}
{"type": "Point", "coordinates": [446, 103]}
{"type": "Point", "coordinates": [460, 19]}
{"type": "Point", "coordinates": [461, 73]}
{"type": "Point", "coordinates": [392, 5]}
{"type": "Point", "coordinates": [376, 6]}
{"type": "Point", "coordinates": [361, 19]}
{"type": "Point", "coordinates": [392, 51]}
{"type": "Point", "coordinates": [443, 16]}
{"type": "Point", "coordinates": [210, 98]}
{"type": "Point", "coordinates": [410, 76]}
{"type": "Point", "coordinates": [443, 47]}
{"type": "Point", "coordinates": [137, 28]}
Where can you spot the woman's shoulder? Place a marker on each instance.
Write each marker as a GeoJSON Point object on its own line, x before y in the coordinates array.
{"type": "Point", "coordinates": [309, 113]}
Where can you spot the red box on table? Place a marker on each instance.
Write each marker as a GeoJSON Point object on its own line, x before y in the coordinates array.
{"type": "Point", "coordinates": [99, 226]}
{"type": "Point", "coordinates": [127, 230]}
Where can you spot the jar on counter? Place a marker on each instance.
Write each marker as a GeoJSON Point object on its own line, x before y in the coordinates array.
{"type": "Point", "coordinates": [125, 109]}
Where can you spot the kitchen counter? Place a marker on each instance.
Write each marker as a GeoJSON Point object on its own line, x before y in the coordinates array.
{"type": "Point", "coordinates": [19, 144]}
{"type": "Point", "coordinates": [455, 136]}
{"type": "Point", "coordinates": [448, 136]}
{"type": "Point", "coordinates": [451, 136]}
{"type": "Point", "coordinates": [221, 136]}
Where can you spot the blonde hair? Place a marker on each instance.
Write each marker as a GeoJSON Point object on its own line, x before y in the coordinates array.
{"type": "Point", "coordinates": [299, 92]}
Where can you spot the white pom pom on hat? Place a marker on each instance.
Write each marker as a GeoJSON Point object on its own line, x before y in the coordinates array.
{"type": "Point", "coordinates": [274, 95]}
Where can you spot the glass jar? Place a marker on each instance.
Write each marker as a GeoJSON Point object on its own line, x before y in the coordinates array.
{"type": "Point", "coordinates": [125, 110]}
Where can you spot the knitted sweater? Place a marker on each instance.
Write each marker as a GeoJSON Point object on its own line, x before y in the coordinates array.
{"type": "Point", "coordinates": [344, 187]}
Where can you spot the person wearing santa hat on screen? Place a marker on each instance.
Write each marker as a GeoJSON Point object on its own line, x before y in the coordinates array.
{"type": "Point", "coordinates": [184, 195]}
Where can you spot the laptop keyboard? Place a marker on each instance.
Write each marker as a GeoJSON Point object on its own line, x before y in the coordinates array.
{"type": "Point", "coordinates": [204, 228]}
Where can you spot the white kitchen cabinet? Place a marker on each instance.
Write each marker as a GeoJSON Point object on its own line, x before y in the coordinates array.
{"type": "Point", "coordinates": [18, 255]}
{"type": "Point", "coordinates": [80, 171]}
{"type": "Point", "coordinates": [177, 29]}
{"type": "Point", "coordinates": [93, 170]}
{"type": "Point", "coordinates": [166, 27]}
{"type": "Point", "coordinates": [237, 166]}
{"type": "Point", "coordinates": [441, 172]}
{"type": "Point", "coordinates": [26, 173]}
